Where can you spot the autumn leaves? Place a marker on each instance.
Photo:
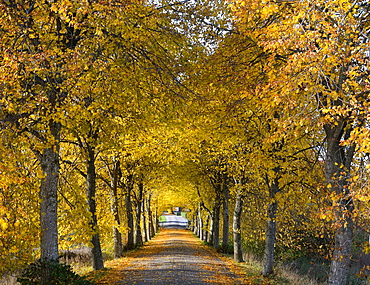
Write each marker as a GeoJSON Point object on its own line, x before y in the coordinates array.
{"type": "Point", "coordinates": [111, 105]}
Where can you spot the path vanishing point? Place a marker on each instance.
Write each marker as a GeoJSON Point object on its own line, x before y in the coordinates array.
{"type": "Point", "coordinates": [174, 256]}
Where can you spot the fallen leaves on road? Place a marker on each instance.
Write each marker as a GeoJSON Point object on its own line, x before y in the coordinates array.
{"type": "Point", "coordinates": [213, 268]}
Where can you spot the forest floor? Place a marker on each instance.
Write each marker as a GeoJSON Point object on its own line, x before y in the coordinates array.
{"type": "Point", "coordinates": [174, 257]}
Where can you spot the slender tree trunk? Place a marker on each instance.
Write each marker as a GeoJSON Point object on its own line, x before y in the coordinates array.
{"type": "Point", "coordinates": [145, 227]}
{"type": "Point", "coordinates": [217, 184]}
{"type": "Point", "coordinates": [268, 259]}
{"type": "Point", "coordinates": [200, 226]}
{"type": "Point", "coordinates": [97, 256]}
{"type": "Point", "coordinates": [117, 236]}
{"type": "Point", "coordinates": [207, 229]}
{"type": "Point", "coordinates": [193, 222]}
{"type": "Point", "coordinates": [196, 223]}
{"type": "Point", "coordinates": [337, 171]}
{"type": "Point", "coordinates": [216, 223]}
{"type": "Point", "coordinates": [129, 213]}
{"type": "Point", "coordinates": [155, 222]}
{"type": "Point", "coordinates": [225, 229]}
{"type": "Point", "coordinates": [211, 228]}
{"type": "Point", "coordinates": [238, 253]}
{"type": "Point", "coordinates": [150, 215]}
{"type": "Point", "coordinates": [139, 237]}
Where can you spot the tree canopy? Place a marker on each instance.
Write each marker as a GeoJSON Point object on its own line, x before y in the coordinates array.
{"type": "Point", "coordinates": [114, 111]}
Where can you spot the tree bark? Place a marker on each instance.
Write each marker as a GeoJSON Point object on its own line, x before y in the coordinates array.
{"type": "Point", "coordinates": [139, 237]}
{"type": "Point", "coordinates": [193, 223]}
{"type": "Point", "coordinates": [341, 258]}
{"type": "Point", "coordinates": [337, 172]}
{"type": "Point", "coordinates": [145, 227]}
{"type": "Point", "coordinates": [268, 259]}
{"type": "Point", "coordinates": [208, 229]}
{"type": "Point", "coordinates": [200, 225]}
{"type": "Point", "coordinates": [97, 256]}
{"type": "Point", "coordinates": [49, 204]}
{"type": "Point", "coordinates": [216, 223]}
{"type": "Point", "coordinates": [150, 215]}
{"type": "Point", "coordinates": [238, 253]}
{"type": "Point", "coordinates": [129, 213]}
{"type": "Point", "coordinates": [117, 236]}
{"type": "Point", "coordinates": [225, 229]}
{"type": "Point", "coordinates": [155, 222]}
{"type": "Point", "coordinates": [217, 183]}
{"type": "Point", "coordinates": [49, 160]}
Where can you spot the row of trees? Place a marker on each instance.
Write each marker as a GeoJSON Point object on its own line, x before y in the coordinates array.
{"type": "Point", "coordinates": [110, 111]}
{"type": "Point", "coordinates": [84, 89]}
{"type": "Point", "coordinates": [294, 105]}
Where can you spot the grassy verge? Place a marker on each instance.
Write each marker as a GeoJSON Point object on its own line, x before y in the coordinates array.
{"type": "Point", "coordinates": [252, 268]}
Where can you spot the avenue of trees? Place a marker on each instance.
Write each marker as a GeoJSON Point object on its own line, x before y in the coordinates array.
{"type": "Point", "coordinates": [252, 114]}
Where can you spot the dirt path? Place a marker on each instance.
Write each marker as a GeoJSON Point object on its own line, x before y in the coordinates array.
{"type": "Point", "coordinates": [172, 257]}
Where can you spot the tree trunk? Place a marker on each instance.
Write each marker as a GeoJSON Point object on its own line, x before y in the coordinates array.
{"type": "Point", "coordinates": [193, 222]}
{"type": "Point", "coordinates": [200, 226]}
{"type": "Point", "coordinates": [196, 223]}
{"type": "Point", "coordinates": [217, 184]}
{"type": "Point", "coordinates": [150, 215]}
{"type": "Point", "coordinates": [207, 229]}
{"type": "Point", "coordinates": [97, 256]}
{"type": "Point", "coordinates": [129, 213]}
{"type": "Point", "coordinates": [238, 253]}
{"type": "Point", "coordinates": [118, 245]}
{"type": "Point", "coordinates": [337, 172]}
{"type": "Point", "coordinates": [155, 222]}
{"type": "Point", "coordinates": [117, 236]}
{"type": "Point", "coordinates": [48, 208]}
{"type": "Point", "coordinates": [197, 227]}
{"type": "Point", "coordinates": [139, 237]}
{"type": "Point", "coordinates": [225, 229]}
{"type": "Point", "coordinates": [268, 259]}
{"type": "Point", "coordinates": [49, 160]}
{"type": "Point", "coordinates": [216, 223]}
{"type": "Point", "coordinates": [145, 227]}
{"type": "Point", "coordinates": [341, 258]}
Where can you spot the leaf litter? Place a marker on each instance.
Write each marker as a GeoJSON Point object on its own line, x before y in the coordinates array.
{"type": "Point", "coordinates": [175, 256]}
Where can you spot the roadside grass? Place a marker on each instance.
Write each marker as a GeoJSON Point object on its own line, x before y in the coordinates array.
{"type": "Point", "coordinates": [251, 270]}
{"type": "Point", "coordinates": [113, 269]}
{"type": "Point", "coordinates": [251, 274]}
{"type": "Point", "coordinates": [79, 259]}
